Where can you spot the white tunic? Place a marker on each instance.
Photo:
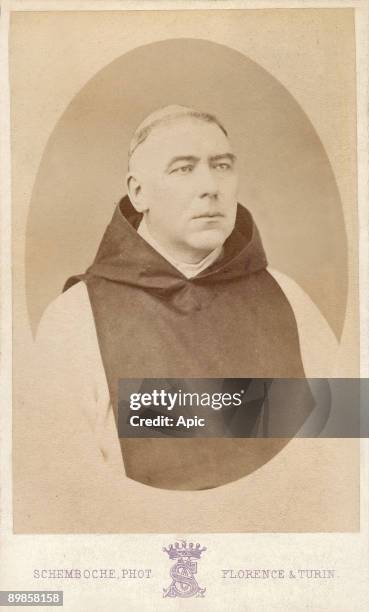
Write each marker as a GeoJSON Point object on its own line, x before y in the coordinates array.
{"type": "Point", "coordinates": [73, 477]}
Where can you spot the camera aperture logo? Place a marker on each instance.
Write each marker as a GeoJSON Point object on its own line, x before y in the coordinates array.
{"type": "Point", "coordinates": [184, 583]}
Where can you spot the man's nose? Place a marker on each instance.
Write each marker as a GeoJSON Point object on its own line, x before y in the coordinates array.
{"type": "Point", "coordinates": [208, 184]}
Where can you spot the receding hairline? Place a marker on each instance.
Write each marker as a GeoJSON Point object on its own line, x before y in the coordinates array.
{"type": "Point", "coordinates": [166, 116]}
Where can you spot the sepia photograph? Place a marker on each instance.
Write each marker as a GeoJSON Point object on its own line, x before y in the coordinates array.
{"type": "Point", "coordinates": [169, 236]}
{"type": "Point", "coordinates": [187, 299]}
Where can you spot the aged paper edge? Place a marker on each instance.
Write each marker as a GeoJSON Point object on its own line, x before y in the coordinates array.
{"type": "Point", "coordinates": [361, 24]}
{"type": "Point", "coordinates": [162, 5]}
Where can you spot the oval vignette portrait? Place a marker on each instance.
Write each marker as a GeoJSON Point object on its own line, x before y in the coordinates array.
{"type": "Point", "coordinates": [286, 180]}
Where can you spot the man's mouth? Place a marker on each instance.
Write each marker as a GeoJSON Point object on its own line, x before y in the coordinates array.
{"type": "Point", "coordinates": [209, 215]}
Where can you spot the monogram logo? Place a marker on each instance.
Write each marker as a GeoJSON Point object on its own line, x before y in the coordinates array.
{"type": "Point", "coordinates": [182, 573]}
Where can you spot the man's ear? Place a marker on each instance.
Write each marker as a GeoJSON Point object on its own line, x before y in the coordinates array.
{"type": "Point", "coordinates": [135, 193]}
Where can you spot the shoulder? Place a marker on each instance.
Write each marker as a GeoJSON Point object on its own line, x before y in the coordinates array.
{"type": "Point", "coordinates": [319, 345]}
{"type": "Point", "coordinates": [66, 337]}
{"type": "Point", "coordinates": [69, 313]}
{"type": "Point", "coordinates": [66, 347]}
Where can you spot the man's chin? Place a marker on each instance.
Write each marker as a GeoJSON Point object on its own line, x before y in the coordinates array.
{"type": "Point", "coordinates": [208, 240]}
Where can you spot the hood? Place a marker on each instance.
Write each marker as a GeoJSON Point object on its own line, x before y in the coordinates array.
{"type": "Point", "coordinates": [124, 257]}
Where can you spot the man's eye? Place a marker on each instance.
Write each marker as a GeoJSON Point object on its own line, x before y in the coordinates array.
{"type": "Point", "coordinates": [223, 166]}
{"type": "Point", "coordinates": [183, 169]}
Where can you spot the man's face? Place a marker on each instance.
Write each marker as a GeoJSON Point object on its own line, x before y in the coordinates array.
{"type": "Point", "coordinates": [187, 180]}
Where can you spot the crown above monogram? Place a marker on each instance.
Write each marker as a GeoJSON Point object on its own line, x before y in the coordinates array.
{"type": "Point", "coordinates": [184, 550]}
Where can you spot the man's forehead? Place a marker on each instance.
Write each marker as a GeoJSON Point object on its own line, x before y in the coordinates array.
{"type": "Point", "coordinates": [183, 136]}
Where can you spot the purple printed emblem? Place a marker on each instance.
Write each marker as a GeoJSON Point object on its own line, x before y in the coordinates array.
{"type": "Point", "coordinates": [183, 572]}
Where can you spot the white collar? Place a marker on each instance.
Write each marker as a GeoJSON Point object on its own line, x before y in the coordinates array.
{"type": "Point", "coordinates": [188, 270]}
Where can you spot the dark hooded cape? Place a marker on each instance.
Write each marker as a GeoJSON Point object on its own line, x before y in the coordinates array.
{"type": "Point", "coordinates": [230, 321]}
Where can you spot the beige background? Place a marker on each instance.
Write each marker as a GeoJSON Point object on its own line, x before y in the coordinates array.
{"type": "Point", "coordinates": [54, 55]}
{"type": "Point", "coordinates": [51, 58]}
{"type": "Point", "coordinates": [301, 49]}
{"type": "Point", "coordinates": [285, 176]}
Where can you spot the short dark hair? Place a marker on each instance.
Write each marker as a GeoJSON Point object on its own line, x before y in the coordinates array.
{"type": "Point", "coordinates": [165, 115]}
